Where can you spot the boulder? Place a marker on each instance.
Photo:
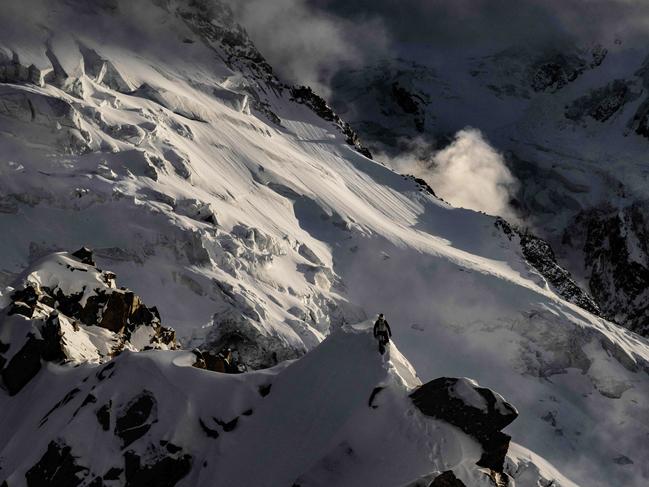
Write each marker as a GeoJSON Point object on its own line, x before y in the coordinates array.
{"type": "Point", "coordinates": [56, 467]}
{"type": "Point", "coordinates": [478, 411]}
{"type": "Point", "coordinates": [103, 416]}
{"type": "Point", "coordinates": [23, 366]}
{"type": "Point", "coordinates": [226, 361]}
{"type": "Point", "coordinates": [447, 479]}
{"type": "Point", "coordinates": [84, 255]}
{"type": "Point", "coordinates": [166, 469]}
{"type": "Point", "coordinates": [136, 419]}
{"type": "Point", "coordinates": [23, 302]}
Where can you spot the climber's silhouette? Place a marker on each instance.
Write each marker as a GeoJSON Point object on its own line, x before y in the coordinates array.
{"type": "Point", "coordinates": [382, 333]}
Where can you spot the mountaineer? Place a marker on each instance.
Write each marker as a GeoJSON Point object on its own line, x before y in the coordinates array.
{"type": "Point", "coordinates": [382, 332]}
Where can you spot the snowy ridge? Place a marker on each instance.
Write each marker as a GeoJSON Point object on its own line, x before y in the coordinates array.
{"type": "Point", "coordinates": [280, 426]}
{"type": "Point", "coordinates": [269, 238]}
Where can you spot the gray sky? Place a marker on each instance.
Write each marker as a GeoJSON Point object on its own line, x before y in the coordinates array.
{"type": "Point", "coordinates": [307, 40]}
{"type": "Point", "coordinates": [474, 21]}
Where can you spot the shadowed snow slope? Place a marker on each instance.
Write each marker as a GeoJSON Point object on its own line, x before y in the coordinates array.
{"type": "Point", "coordinates": [248, 220]}
{"type": "Point", "coordinates": [280, 426]}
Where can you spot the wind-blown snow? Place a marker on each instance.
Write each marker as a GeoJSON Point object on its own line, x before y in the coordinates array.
{"type": "Point", "coordinates": [468, 172]}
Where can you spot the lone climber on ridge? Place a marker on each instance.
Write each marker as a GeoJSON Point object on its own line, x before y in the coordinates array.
{"type": "Point", "coordinates": [382, 333]}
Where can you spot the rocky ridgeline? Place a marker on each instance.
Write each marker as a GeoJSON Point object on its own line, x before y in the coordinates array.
{"type": "Point", "coordinates": [538, 253]}
{"type": "Point", "coordinates": [65, 309]}
{"type": "Point", "coordinates": [214, 22]}
{"type": "Point", "coordinates": [306, 96]}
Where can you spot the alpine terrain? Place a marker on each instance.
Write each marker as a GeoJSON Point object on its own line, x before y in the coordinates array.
{"type": "Point", "coordinates": [194, 253]}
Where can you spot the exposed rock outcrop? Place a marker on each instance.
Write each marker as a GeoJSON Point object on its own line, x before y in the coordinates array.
{"type": "Point", "coordinates": [478, 411]}
{"type": "Point", "coordinates": [521, 72]}
{"type": "Point", "coordinates": [136, 418]}
{"type": "Point", "coordinates": [165, 468]}
{"type": "Point", "coordinates": [411, 103]}
{"type": "Point", "coordinates": [57, 467]}
{"type": "Point", "coordinates": [162, 466]}
{"type": "Point", "coordinates": [24, 365]}
{"type": "Point", "coordinates": [602, 103]}
{"type": "Point", "coordinates": [446, 479]}
{"type": "Point", "coordinates": [556, 69]}
{"type": "Point", "coordinates": [616, 254]}
{"type": "Point", "coordinates": [538, 253]}
{"type": "Point", "coordinates": [386, 103]}
{"type": "Point", "coordinates": [225, 361]}
{"type": "Point", "coordinates": [306, 96]}
{"type": "Point", "coordinates": [66, 309]}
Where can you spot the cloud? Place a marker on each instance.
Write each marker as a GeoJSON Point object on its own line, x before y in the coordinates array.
{"type": "Point", "coordinates": [475, 22]}
{"type": "Point", "coordinates": [468, 173]}
{"type": "Point", "coordinates": [307, 45]}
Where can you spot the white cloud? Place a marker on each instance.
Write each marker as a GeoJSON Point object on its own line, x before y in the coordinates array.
{"type": "Point", "coordinates": [305, 44]}
{"type": "Point", "coordinates": [468, 173]}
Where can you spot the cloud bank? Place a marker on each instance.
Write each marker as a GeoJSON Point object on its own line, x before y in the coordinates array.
{"type": "Point", "coordinates": [308, 41]}
{"type": "Point", "coordinates": [307, 45]}
{"type": "Point", "coordinates": [474, 22]}
{"type": "Point", "coordinates": [468, 173]}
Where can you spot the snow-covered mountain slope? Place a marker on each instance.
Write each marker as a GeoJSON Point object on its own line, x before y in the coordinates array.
{"type": "Point", "coordinates": [150, 418]}
{"type": "Point", "coordinates": [571, 122]}
{"type": "Point", "coordinates": [159, 138]}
